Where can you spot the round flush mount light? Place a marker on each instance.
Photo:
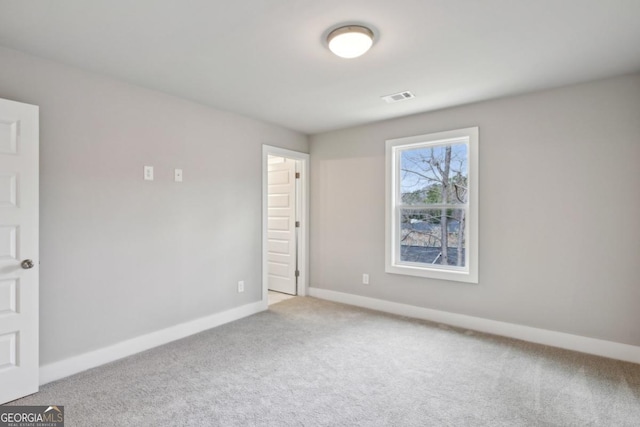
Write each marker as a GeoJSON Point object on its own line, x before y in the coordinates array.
{"type": "Point", "coordinates": [350, 41]}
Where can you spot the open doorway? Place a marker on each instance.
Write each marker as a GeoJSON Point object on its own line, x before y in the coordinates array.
{"type": "Point", "coordinates": [285, 224]}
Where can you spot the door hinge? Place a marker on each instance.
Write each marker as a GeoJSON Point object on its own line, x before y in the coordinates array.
{"type": "Point", "coordinates": [297, 175]}
{"type": "Point", "coordinates": [297, 224]}
{"type": "Point", "coordinates": [297, 273]}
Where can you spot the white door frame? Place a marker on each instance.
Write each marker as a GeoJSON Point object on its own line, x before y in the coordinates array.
{"type": "Point", "coordinates": [303, 242]}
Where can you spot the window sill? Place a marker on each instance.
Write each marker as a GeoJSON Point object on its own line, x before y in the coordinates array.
{"type": "Point", "coordinates": [434, 273]}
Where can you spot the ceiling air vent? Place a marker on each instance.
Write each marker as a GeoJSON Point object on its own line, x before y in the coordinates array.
{"type": "Point", "coordinates": [400, 96]}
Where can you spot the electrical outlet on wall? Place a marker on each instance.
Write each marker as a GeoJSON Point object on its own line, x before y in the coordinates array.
{"type": "Point", "coordinates": [365, 278]}
{"type": "Point", "coordinates": [148, 173]}
{"type": "Point", "coordinates": [241, 286]}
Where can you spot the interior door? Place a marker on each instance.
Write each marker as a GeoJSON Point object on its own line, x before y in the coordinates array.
{"type": "Point", "coordinates": [18, 250]}
{"type": "Point", "coordinates": [281, 227]}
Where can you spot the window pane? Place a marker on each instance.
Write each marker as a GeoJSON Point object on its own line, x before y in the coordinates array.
{"type": "Point", "coordinates": [431, 175]}
{"type": "Point", "coordinates": [421, 236]}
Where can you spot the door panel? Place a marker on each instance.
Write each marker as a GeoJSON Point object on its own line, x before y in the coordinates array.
{"type": "Point", "coordinates": [281, 248]}
{"type": "Point", "coordinates": [8, 190]}
{"type": "Point", "coordinates": [279, 223]}
{"type": "Point", "coordinates": [8, 350]}
{"type": "Point", "coordinates": [8, 297]}
{"type": "Point", "coordinates": [281, 231]}
{"type": "Point", "coordinates": [8, 242]}
{"type": "Point", "coordinates": [8, 134]}
{"type": "Point", "coordinates": [18, 240]}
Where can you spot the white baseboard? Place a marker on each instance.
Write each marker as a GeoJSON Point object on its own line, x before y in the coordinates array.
{"type": "Point", "coordinates": [73, 365]}
{"type": "Point", "coordinates": [614, 350]}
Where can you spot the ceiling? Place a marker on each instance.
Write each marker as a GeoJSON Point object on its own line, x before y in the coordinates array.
{"type": "Point", "coordinates": [267, 59]}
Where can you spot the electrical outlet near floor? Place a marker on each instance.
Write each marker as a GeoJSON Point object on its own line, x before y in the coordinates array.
{"type": "Point", "coordinates": [365, 279]}
{"type": "Point", "coordinates": [241, 286]}
{"type": "Point", "coordinates": [148, 173]}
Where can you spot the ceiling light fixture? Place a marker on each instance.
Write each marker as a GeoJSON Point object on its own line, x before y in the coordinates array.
{"type": "Point", "coordinates": [350, 41]}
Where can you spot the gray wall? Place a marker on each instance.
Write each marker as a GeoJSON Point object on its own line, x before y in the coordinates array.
{"type": "Point", "coordinates": [121, 257]}
{"type": "Point", "coordinates": [559, 211]}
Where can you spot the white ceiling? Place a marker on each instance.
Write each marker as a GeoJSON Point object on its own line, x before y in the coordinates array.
{"type": "Point", "coordinates": [267, 59]}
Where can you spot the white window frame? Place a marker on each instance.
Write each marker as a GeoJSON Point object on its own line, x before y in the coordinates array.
{"type": "Point", "coordinates": [469, 273]}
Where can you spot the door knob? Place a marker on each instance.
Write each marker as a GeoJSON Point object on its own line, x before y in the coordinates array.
{"type": "Point", "coordinates": [27, 264]}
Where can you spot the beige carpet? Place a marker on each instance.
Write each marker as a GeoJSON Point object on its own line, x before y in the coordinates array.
{"type": "Point", "coordinates": [308, 362]}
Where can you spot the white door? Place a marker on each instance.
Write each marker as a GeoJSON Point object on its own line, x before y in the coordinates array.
{"type": "Point", "coordinates": [18, 250]}
{"type": "Point", "coordinates": [281, 224]}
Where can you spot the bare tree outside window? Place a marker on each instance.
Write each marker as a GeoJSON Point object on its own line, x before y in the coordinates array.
{"type": "Point", "coordinates": [432, 209]}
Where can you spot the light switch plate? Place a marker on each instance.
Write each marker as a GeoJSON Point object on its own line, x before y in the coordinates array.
{"type": "Point", "coordinates": [148, 173]}
{"type": "Point", "coordinates": [177, 175]}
